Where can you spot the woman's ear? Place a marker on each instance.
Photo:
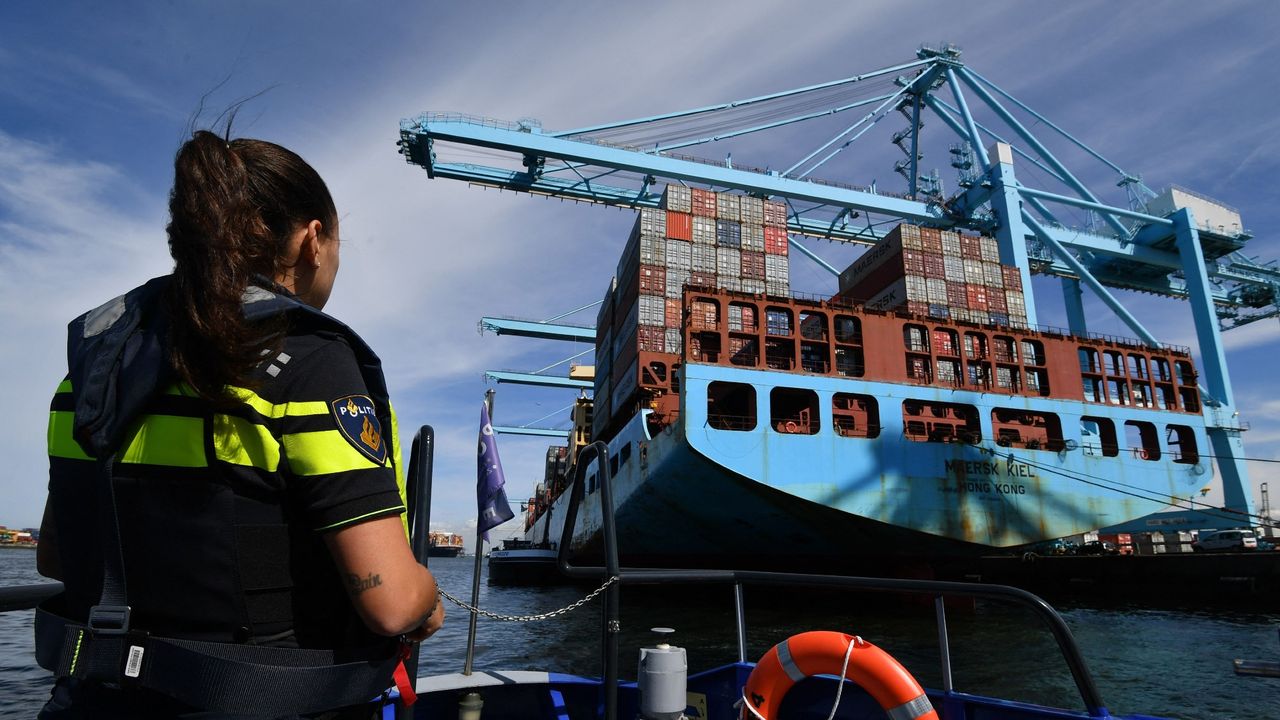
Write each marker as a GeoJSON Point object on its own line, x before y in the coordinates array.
{"type": "Point", "coordinates": [312, 237]}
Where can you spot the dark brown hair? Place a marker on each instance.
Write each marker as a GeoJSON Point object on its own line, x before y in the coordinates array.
{"type": "Point", "coordinates": [233, 206]}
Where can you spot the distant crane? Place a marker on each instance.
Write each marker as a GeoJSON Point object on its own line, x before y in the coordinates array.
{"type": "Point", "coordinates": [1177, 243]}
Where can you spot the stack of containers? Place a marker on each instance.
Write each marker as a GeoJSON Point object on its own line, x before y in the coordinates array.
{"type": "Point", "coordinates": [700, 238]}
{"type": "Point", "coordinates": [938, 273]}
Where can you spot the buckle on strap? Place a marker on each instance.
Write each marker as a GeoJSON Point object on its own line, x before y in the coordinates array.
{"type": "Point", "coordinates": [108, 620]}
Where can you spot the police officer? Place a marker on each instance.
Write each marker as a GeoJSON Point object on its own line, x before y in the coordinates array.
{"type": "Point", "coordinates": [225, 475]}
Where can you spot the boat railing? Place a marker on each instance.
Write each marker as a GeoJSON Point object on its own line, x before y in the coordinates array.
{"type": "Point", "coordinates": [598, 452]}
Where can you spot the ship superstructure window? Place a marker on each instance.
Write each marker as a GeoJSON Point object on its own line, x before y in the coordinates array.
{"type": "Point", "coordinates": [780, 354]}
{"type": "Point", "coordinates": [1182, 444]}
{"type": "Point", "coordinates": [777, 321]}
{"type": "Point", "coordinates": [848, 329]}
{"type": "Point", "coordinates": [1033, 352]}
{"type": "Point", "coordinates": [928, 421]}
{"type": "Point", "coordinates": [1008, 379]}
{"type": "Point", "coordinates": [1027, 429]}
{"type": "Point", "coordinates": [946, 342]}
{"type": "Point", "coordinates": [1137, 366]}
{"type": "Point", "coordinates": [1005, 349]}
{"type": "Point", "coordinates": [850, 362]}
{"type": "Point", "coordinates": [915, 338]}
{"type": "Point", "coordinates": [949, 372]}
{"type": "Point", "coordinates": [856, 416]}
{"type": "Point", "coordinates": [744, 351]}
{"type": "Point", "coordinates": [743, 318]}
{"type": "Point", "coordinates": [815, 351]}
{"type": "Point", "coordinates": [704, 315]}
{"type": "Point", "coordinates": [813, 325]}
{"type": "Point", "coordinates": [1092, 388]}
{"type": "Point", "coordinates": [1114, 362]}
{"type": "Point", "coordinates": [1098, 436]}
{"type": "Point", "coordinates": [793, 411]}
{"type": "Point", "coordinates": [1117, 392]}
{"type": "Point", "coordinates": [1186, 373]}
{"type": "Point", "coordinates": [731, 406]}
{"type": "Point", "coordinates": [1160, 370]}
{"type": "Point", "coordinates": [975, 346]}
{"type": "Point", "coordinates": [1142, 439]}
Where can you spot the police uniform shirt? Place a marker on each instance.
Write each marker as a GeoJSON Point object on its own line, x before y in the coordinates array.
{"type": "Point", "coordinates": [222, 510]}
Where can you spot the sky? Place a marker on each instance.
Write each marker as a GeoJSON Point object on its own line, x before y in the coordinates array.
{"type": "Point", "coordinates": [96, 98]}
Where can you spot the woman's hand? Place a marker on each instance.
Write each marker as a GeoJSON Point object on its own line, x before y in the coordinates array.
{"type": "Point", "coordinates": [429, 626]}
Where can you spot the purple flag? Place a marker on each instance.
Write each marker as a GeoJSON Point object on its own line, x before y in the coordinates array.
{"type": "Point", "coordinates": [490, 496]}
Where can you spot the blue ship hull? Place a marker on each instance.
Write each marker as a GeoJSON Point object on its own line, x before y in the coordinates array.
{"type": "Point", "coordinates": [696, 495]}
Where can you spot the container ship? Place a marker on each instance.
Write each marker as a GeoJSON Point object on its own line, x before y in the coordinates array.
{"type": "Point", "coordinates": [914, 414]}
{"type": "Point", "coordinates": [445, 544]}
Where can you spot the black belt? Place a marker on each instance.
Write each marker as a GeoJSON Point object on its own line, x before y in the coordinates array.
{"type": "Point", "coordinates": [224, 677]}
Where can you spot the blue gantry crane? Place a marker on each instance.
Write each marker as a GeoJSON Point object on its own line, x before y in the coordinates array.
{"type": "Point", "coordinates": [1048, 221]}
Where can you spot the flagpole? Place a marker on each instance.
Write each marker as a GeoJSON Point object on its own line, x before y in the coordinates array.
{"type": "Point", "coordinates": [475, 575]}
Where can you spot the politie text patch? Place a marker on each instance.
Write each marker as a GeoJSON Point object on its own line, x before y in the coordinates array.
{"type": "Point", "coordinates": [358, 421]}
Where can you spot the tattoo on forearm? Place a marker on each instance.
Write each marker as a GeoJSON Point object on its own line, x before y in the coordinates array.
{"type": "Point", "coordinates": [357, 584]}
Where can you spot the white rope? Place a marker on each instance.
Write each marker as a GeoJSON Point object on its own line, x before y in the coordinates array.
{"type": "Point", "coordinates": [744, 702]}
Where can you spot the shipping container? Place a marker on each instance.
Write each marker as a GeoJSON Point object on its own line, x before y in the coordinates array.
{"type": "Point", "coordinates": [970, 247]}
{"type": "Point", "coordinates": [678, 198]}
{"type": "Point", "coordinates": [951, 243]}
{"type": "Point", "coordinates": [777, 269]}
{"type": "Point", "coordinates": [977, 295]}
{"type": "Point", "coordinates": [934, 266]}
{"type": "Point", "coordinates": [702, 279]}
{"type": "Point", "coordinates": [939, 312]}
{"type": "Point", "coordinates": [755, 286]}
{"type": "Point", "coordinates": [916, 307]}
{"type": "Point", "coordinates": [703, 202]}
{"type": "Point", "coordinates": [651, 338]}
{"type": "Point", "coordinates": [973, 273]}
{"type": "Point", "coordinates": [751, 211]}
{"type": "Point", "coordinates": [673, 342]}
{"type": "Point", "coordinates": [887, 250]}
{"type": "Point", "coordinates": [676, 280]}
{"type": "Point", "coordinates": [953, 268]}
{"type": "Point", "coordinates": [936, 291]}
{"type": "Point", "coordinates": [913, 262]}
{"type": "Point", "coordinates": [996, 301]}
{"type": "Point", "coordinates": [604, 317]}
{"type": "Point", "coordinates": [624, 387]}
{"type": "Point", "coordinates": [1016, 302]}
{"type": "Point", "coordinates": [990, 251]}
{"type": "Point", "coordinates": [727, 207]}
{"type": "Point", "coordinates": [998, 318]}
{"type": "Point", "coordinates": [992, 277]}
{"type": "Point", "coordinates": [651, 222]}
{"type": "Point", "coordinates": [679, 226]}
{"type": "Point", "coordinates": [729, 234]}
{"type": "Point", "coordinates": [778, 289]}
{"type": "Point", "coordinates": [931, 241]}
{"type": "Point", "coordinates": [909, 236]}
{"type": "Point", "coordinates": [775, 241]}
{"type": "Point", "coordinates": [892, 297]}
{"type": "Point", "coordinates": [752, 266]}
{"type": "Point", "coordinates": [674, 312]}
{"type": "Point", "coordinates": [753, 238]}
{"type": "Point", "coordinates": [775, 214]}
{"type": "Point", "coordinates": [956, 295]}
{"type": "Point", "coordinates": [653, 280]}
{"type": "Point", "coordinates": [679, 255]}
{"type": "Point", "coordinates": [1012, 277]}
{"type": "Point", "coordinates": [729, 282]}
{"type": "Point", "coordinates": [704, 258]}
{"type": "Point", "coordinates": [704, 230]}
{"type": "Point", "coordinates": [625, 318]}
{"type": "Point", "coordinates": [728, 262]}
{"type": "Point", "coordinates": [704, 315]}
{"type": "Point", "coordinates": [652, 312]}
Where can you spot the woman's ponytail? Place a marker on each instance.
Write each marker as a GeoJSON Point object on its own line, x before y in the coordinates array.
{"type": "Point", "coordinates": [232, 209]}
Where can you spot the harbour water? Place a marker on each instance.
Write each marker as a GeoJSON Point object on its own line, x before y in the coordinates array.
{"type": "Point", "coordinates": [1172, 662]}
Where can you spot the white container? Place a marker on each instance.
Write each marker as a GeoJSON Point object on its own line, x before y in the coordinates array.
{"type": "Point", "coordinates": [753, 285]}
{"type": "Point", "coordinates": [676, 280]}
{"type": "Point", "coordinates": [728, 262]}
{"type": "Point", "coordinates": [704, 259]}
{"type": "Point", "coordinates": [777, 269]}
{"type": "Point", "coordinates": [753, 237]}
{"type": "Point", "coordinates": [678, 198]}
{"type": "Point", "coordinates": [679, 255]}
{"type": "Point", "coordinates": [704, 230]}
{"type": "Point", "coordinates": [727, 206]}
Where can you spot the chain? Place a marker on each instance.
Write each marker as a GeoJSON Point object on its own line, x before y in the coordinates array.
{"type": "Point", "coordinates": [530, 618]}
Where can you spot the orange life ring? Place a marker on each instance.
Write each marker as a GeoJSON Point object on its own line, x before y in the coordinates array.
{"type": "Point", "coordinates": [822, 652]}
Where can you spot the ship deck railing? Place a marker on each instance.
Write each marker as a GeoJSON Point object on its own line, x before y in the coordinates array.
{"type": "Point", "coordinates": [598, 453]}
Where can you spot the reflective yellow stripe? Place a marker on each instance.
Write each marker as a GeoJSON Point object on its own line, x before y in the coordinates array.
{"type": "Point", "coordinates": [272, 410]}
{"type": "Point", "coordinates": [166, 440]}
{"type": "Point", "coordinates": [61, 442]}
{"type": "Point", "coordinates": [400, 470]}
{"type": "Point", "coordinates": [323, 452]}
{"type": "Point", "coordinates": [240, 442]}
{"type": "Point", "coordinates": [63, 387]}
{"type": "Point", "coordinates": [354, 520]}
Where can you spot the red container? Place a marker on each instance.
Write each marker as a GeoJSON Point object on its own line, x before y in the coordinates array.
{"type": "Point", "coordinates": [702, 315]}
{"type": "Point", "coordinates": [651, 339]}
{"type": "Point", "coordinates": [970, 247]}
{"type": "Point", "coordinates": [653, 280]}
{"type": "Point", "coordinates": [752, 265]}
{"type": "Point", "coordinates": [913, 262]}
{"type": "Point", "coordinates": [956, 295]}
{"type": "Point", "coordinates": [996, 302]}
{"type": "Point", "coordinates": [702, 279]}
{"type": "Point", "coordinates": [775, 214]}
{"type": "Point", "coordinates": [977, 295]}
{"type": "Point", "coordinates": [679, 225]}
{"type": "Point", "coordinates": [934, 267]}
{"type": "Point", "coordinates": [775, 239]}
{"type": "Point", "coordinates": [673, 313]}
{"type": "Point", "coordinates": [704, 203]}
{"type": "Point", "coordinates": [931, 240]}
{"type": "Point", "coordinates": [917, 308]}
{"type": "Point", "coordinates": [1012, 277]}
